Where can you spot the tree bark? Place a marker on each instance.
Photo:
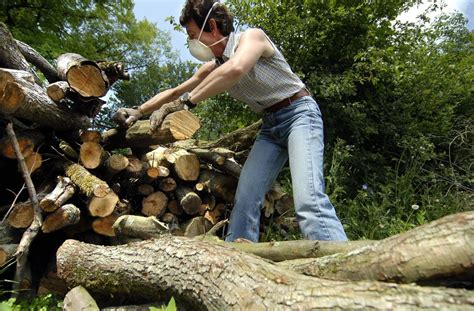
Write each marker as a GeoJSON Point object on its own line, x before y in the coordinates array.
{"type": "Point", "coordinates": [39, 61]}
{"type": "Point", "coordinates": [195, 227]}
{"type": "Point", "coordinates": [114, 71]}
{"type": "Point", "coordinates": [238, 141]}
{"type": "Point", "coordinates": [10, 54]}
{"type": "Point", "coordinates": [22, 266]}
{"type": "Point", "coordinates": [209, 276]}
{"type": "Point", "coordinates": [439, 251]}
{"type": "Point", "coordinates": [21, 98]}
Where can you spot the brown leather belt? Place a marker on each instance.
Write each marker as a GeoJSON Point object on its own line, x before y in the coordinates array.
{"type": "Point", "coordinates": [287, 101]}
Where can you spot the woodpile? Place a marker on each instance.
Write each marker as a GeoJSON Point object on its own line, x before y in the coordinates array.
{"type": "Point", "coordinates": [144, 213]}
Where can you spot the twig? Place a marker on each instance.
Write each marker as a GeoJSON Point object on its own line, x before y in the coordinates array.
{"type": "Point", "coordinates": [30, 233]}
{"type": "Point", "coordinates": [216, 227]}
{"type": "Point", "coordinates": [17, 195]}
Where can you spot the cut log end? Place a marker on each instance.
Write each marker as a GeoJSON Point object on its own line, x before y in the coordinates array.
{"type": "Point", "coordinates": [67, 215]}
{"type": "Point", "coordinates": [21, 216]}
{"type": "Point", "coordinates": [91, 155]}
{"type": "Point", "coordinates": [154, 204]}
{"type": "Point", "coordinates": [87, 80]}
{"type": "Point", "coordinates": [33, 162]}
{"type": "Point", "coordinates": [102, 207]}
{"type": "Point", "coordinates": [11, 96]}
{"type": "Point", "coordinates": [104, 225]}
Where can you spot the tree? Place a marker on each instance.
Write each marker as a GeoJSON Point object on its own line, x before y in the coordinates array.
{"type": "Point", "coordinates": [96, 29]}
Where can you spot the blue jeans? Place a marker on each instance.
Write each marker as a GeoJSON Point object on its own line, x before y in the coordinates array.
{"type": "Point", "coordinates": [295, 133]}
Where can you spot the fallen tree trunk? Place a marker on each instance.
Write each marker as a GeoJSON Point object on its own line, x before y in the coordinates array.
{"type": "Point", "coordinates": [440, 251]}
{"type": "Point", "coordinates": [209, 276]}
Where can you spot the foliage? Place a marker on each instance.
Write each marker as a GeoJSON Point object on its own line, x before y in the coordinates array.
{"type": "Point", "coordinates": [170, 307]}
{"type": "Point", "coordinates": [222, 114]}
{"type": "Point", "coordinates": [41, 303]}
{"type": "Point", "coordinates": [105, 29]}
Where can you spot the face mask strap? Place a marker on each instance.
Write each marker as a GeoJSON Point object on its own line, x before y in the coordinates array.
{"type": "Point", "coordinates": [207, 16]}
{"type": "Point", "coordinates": [217, 42]}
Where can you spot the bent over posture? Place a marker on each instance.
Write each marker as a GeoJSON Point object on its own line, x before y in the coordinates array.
{"type": "Point", "coordinates": [251, 68]}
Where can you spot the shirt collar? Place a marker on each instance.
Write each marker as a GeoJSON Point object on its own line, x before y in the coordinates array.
{"type": "Point", "coordinates": [229, 48]}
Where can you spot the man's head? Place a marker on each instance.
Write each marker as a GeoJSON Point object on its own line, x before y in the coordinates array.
{"type": "Point", "coordinates": [197, 10]}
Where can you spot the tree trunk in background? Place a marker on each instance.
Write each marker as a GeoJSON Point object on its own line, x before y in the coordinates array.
{"type": "Point", "coordinates": [209, 276]}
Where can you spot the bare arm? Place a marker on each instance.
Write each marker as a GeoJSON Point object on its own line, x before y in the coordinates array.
{"type": "Point", "coordinates": [171, 94]}
{"type": "Point", "coordinates": [252, 45]}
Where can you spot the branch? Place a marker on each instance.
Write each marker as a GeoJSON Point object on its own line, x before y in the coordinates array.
{"type": "Point", "coordinates": [32, 231]}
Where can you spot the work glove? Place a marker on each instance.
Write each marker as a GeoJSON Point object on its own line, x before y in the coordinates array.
{"type": "Point", "coordinates": [157, 117]}
{"type": "Point", "coordinates": [126, 116]}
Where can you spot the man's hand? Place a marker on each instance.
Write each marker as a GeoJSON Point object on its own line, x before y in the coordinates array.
{"type": "Point", "coordinates": [126, 116]}
{"type": "Point", "coordinates": [157, 117]}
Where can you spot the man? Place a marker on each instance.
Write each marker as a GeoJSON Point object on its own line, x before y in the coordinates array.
{"type": "Point", "coordinates": [251, 69]}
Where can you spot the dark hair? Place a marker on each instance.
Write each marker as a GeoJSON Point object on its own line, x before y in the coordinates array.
{"type": "Point", "coordinates": [197, 10]}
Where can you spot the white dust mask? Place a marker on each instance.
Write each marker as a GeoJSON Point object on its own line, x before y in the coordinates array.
{"type": "Point", "coordinates": [198, 49]}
